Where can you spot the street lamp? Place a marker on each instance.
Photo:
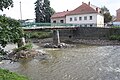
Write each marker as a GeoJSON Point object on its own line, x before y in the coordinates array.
{"type": "Point", "coordinates": [20, 11]}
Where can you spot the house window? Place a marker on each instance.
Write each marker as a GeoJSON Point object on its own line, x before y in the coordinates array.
{"type": "Point", "coordinates": [91, 25]}
{"type": "Point", "coordinates": [90, 17]}
{"type": "Point", "coordinates": [75, 18]}
{"type": "Point", "coordinates": [80, 18]}
{"type": "Point", "coordinates": [61, 21]}
{"type": "Point", "coordinates": [70, 19]}
{"type": "Point", "coordinates": [54, 21]}
{"type": "Point", "coordinates": [85, 18]}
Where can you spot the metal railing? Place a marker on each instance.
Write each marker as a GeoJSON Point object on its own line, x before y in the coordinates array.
{"type": "Point", "coordinates": [59, 25]}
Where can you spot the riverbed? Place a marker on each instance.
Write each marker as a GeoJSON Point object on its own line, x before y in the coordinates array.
{"type": "Point", "coordinates": [84, 62]}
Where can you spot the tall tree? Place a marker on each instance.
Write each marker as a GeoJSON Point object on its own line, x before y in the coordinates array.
{"type": "Point", "coordinates": [107, 15]}
{"type": "Point", "coordinates": [5, 4]}
{"type": "Point", "coordinates": [43, 11]}
{"type": "Point", "coordinates": [10, 30]}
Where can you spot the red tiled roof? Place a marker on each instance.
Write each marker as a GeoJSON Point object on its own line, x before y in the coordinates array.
{"type": "Point", "coordinates": [117, 20]}
{"type": "Point", "coordinates": [60, 14]}
{"type": "Point", "coordinates": [118, 9]}
{"type": "Point", "coordinates": [83, 9]}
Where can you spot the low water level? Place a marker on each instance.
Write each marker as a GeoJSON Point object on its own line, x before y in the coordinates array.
{"type": "Point", "coordinates": [81, 63]}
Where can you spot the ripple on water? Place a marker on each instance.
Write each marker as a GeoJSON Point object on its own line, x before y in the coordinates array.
{"type": "Point", "coordinates": [81, 63]}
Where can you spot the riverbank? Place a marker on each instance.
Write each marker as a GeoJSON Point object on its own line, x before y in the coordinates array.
{"type": "Point", "coordinates": [41, 42]}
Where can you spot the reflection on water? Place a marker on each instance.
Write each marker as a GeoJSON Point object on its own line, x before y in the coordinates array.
{"type": "Point", "coordinates": [81, 63]}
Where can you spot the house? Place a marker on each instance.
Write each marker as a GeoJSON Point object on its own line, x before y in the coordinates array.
{"type": "Point", "coordinates": [117, 20]}
{"type": "Point", "coordinates": [86, 15]}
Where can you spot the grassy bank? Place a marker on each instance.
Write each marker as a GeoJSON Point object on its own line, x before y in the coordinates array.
{"type": "Point", "coordinates": [7, 75]}
{"type": "Point", "coordinates": [115, 37]}
{"type": "Point", "coordinates": [38, 34]}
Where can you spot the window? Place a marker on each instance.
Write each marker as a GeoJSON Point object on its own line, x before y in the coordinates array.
{"type": "Point", "coordinates": [90, 17]}
{"type": "Point", "coordinates": [80, 18]}
{"type": "Point", "coordinates": [70, 19]}
{"type": "Point", "coordinates": [91, 25]}
{"type": "Point", "coordinates": [85, 18]}
{"type": "Point", "coordinates": [61, 21]}
{"type": "Point", "coordinates": [54, 21]}
{"type": "Point", "coordinates": [75, 18]}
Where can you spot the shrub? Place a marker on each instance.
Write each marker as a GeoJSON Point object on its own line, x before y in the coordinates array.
{"type": "Point", "coordinates": [25, 47]}
{"type": "Point", "coordinates": [114, 37]}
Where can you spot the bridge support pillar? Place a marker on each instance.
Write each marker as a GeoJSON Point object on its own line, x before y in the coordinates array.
{"type": "Point", "coordinates": [56, 37]}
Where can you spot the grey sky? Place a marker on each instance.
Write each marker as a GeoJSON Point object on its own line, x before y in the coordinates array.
{"type": "Point", "coordinates": [58, 5]}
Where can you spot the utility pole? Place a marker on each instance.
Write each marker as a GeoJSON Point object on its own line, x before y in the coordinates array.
{"type": "Point", "coordinates": [20, 11]}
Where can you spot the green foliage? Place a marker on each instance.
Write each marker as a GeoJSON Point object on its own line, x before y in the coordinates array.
{"type": "Point", "coordinates": [40, 35]}
{"type": "Point", "coordinates": [43, 11]}
{"type": "Point", "coordinates": [5, 4]}
{"type": "Point", "coordinates": [10, 31]}
{"type": "Point", "coordinates": [7, 75]}
{"type": "Point", "coordinates": [106, 14]}
{"type": "Point", "coordinates": [25, 47]}
{"type": "Point", "coordinates": [115, 37]}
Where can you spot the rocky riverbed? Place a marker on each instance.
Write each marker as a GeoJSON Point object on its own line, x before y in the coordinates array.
{"type": "Point", "coordinates": [42, 42]}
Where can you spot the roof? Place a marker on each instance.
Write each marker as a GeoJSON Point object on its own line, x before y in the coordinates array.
{"type": "Point", "coordinates": [118, 9]}
{"type": "Point", "coordinates": [117, 20]}
{"type": "Point", "coordinates": [60, 14]}
{"type": "Point", "coordinates": [83, 9]}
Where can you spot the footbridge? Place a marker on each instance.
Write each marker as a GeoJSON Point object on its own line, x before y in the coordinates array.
{"type": "Point", "coordinates": [51, 26]}
{"type": "Point", "coordinates": [56, 27]}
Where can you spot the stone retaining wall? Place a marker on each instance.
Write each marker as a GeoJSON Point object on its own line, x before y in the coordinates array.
{"type": "Point", "coordinates": [88, 33]}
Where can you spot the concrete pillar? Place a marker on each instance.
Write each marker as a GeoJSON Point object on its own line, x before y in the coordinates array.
{"type": "Point", "coordinates": [56, 37]}
{"type": "Point", "coordinates": [21, 42]}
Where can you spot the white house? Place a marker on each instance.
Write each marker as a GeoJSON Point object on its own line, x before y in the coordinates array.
{"type": "Point", "coordinates": [86, 15]}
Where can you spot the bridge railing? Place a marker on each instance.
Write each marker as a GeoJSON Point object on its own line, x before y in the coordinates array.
{"type": "Point", "coordinates": [58, 25]}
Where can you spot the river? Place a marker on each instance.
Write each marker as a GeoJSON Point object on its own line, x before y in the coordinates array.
{"type": "Point", "coordinates": [81, 63]}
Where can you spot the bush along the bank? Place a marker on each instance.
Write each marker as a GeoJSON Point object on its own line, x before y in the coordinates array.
{"type": "Point", "coordinates": [115, 37]}
{"type": "Point", "coordinates": [7, 75]}
{"type": "Point", "coordinates": [39, 35]}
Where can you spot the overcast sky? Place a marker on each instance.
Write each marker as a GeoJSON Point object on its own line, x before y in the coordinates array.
{"type": "Point", "coordinates": [58, 5]}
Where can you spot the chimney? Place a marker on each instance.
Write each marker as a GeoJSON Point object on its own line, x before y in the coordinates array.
{"type": "Point", "coordinates": [97, 9]}
{"type": "Point", "coordinates": [67, 10]}
{"type": "Point", "coordinates": [89, 3]}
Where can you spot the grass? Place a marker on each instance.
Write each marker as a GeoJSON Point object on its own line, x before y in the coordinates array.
{"type": "Point", "coordinates": [7, 75]}
{"type": "Point", "coordinates": [28, 46]}
{"type": "Point", "coordinates": [39, 35]}
{"type": "Point", "coordinates": [115, 37]}
{"type": "Point", "coordinates": [115, 26]}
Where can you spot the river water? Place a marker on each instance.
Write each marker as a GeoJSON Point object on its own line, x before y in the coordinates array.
{"type": "Point", "coordinates": [81, 63]}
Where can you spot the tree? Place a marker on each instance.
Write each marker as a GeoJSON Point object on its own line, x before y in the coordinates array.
{"type": "Point", "coordinates": [10, 31]}
{"type": "Point", "coordinates": [5, 4]}
{"type": "Point", "coordinates": [43, 11]}
{"type": "Point", "coordinates": [106, 14]}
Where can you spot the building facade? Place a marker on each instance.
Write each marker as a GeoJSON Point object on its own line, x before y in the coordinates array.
{"type": "Point", "coordinates": [117, 20]}
{"type": "Point", "coordinates": [86, 15]}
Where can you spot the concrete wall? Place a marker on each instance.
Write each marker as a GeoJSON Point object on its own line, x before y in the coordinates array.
{"type": "Point", "coordinates": [88, 33]}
